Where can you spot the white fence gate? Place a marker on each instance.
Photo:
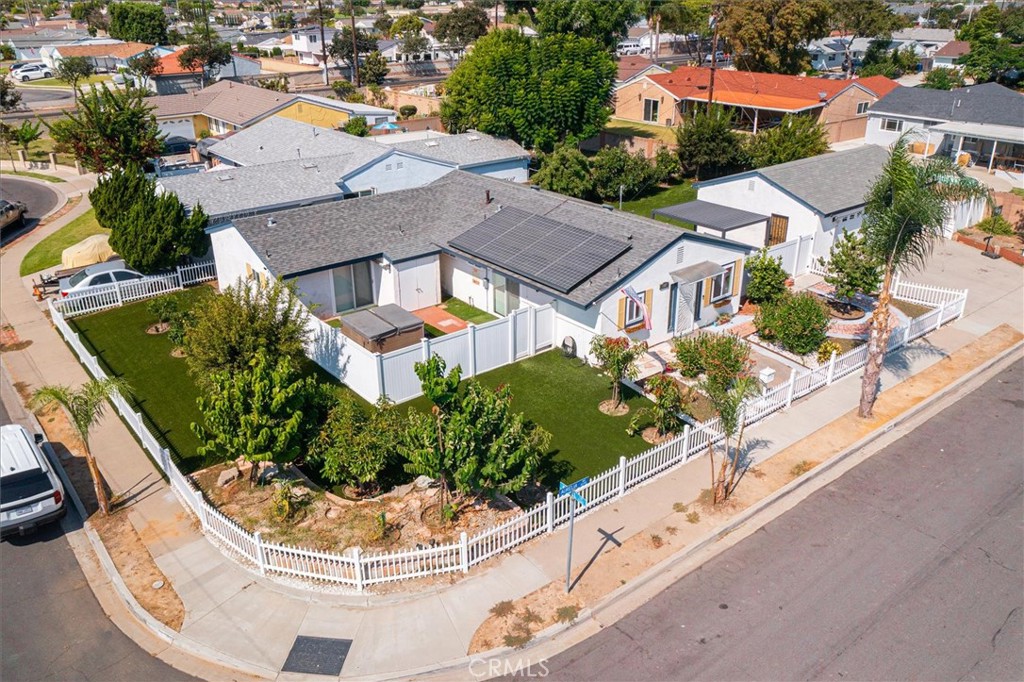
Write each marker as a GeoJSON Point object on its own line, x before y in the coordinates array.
{"type": "Point", "coordinates": [358, 570]}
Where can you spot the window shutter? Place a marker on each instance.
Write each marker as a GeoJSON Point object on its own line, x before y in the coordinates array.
{"type": "Point", "coordinates": [248, 271]}
{"type": "Point", "coordinates": [622, 313]}
{"type": "Point", "coordinates": [737, 276]}
{"type": "Point", "coordinates": [708, 285]}
{"type": "Point", "coordinates": [649, 302]}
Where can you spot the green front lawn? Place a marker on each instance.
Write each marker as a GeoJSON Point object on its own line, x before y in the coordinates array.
{"type": "Point", "coordinates": [46, 254]}
{"type": "Point", "coordinates": [660, 198]}
{"type": "Point", "coordinates": [563, 395]}
{"type": "Point", "coordinates": [58, 83]}
{"type": "Point", "coordinates": [465, 311]}
{"type": "Point", "coordinates": [36, 176]}
{"type": "Point", "coordinates": [621, 126]}
{"type": "Point", "coordinates": [163, 389]}
{"type": "Point", "coordinates": [39, 151]}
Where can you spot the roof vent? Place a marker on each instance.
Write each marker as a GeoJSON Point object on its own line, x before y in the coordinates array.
{"type": "Point", "coordinates": [432, 143]}
{"type": "Point", "coordinates": [224, 178]}
{"type": "Point", "coordinates": [473, 138]}
{"type": "Point", "coordinates": [308, 166]}
{"type": "Point", "coordinates": [270, 223]}
{"type": "Point", "coordinates": [822, 95]}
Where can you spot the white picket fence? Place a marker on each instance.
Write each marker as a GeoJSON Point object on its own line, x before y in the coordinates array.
{"type": "Point", "coordinates": [477, 349]}
{"type": "Point", "coordinates": [359, 570]}
{"type": "Point", "coordinates": [119, 293]}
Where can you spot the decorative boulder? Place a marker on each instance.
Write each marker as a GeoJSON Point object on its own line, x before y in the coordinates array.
{"type": "Point", "coordinates": [228, 476]}
{"type": "Point", "coordinates": [423, 482]}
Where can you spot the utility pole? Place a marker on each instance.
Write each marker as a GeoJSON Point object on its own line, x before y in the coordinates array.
{"type": "Point", "coordinates": [323, 41]}
{"type": "Point", "coordinates": [355, 45]}
{"type": "Point", "coordinates": [714, 58]}
{"type": "Point", "coordinates": [657, 37]}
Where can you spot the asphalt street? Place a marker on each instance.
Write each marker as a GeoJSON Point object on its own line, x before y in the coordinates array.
{"type": "Point", "coordinates": [51, 626]}
{"type": "Point", "coordinates": [907, 567]}
{"type": "Point", "coordinates": [38, 198]}
{"type": "Point", "coordinates": [34, 97]}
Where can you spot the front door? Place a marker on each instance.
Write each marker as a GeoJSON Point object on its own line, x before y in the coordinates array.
{"type": "Point", "coordinates": [686, 311]}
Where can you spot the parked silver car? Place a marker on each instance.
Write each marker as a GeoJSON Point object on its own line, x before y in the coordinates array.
{"type": "Point", "coordinates": [30, 490]}
{"type": "Point", "coordinates": [101, 274]}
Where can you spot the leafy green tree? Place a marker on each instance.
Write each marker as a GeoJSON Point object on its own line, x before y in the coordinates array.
{"type": "Point", "coordinates": [74, 70]}
{"type": "Point", "coordinates": [767, 281]}
{"type": "Point", "coordinates": [535, 91]}
{"type": "Point", "coordinates": [796, 137]}
{"type": "Point", "coordinates": [798, 322]}
{"type": "Point", "coordinates": [1011, 23]}
{"type": "Point", "coordinates": [374, 69]}
{"type": "Point", "coordinates": [666, 165]}
{"type": "Point", "coordinates": [615, 169]}
{"type": "Point", "coordinates": [382, 25]}
{"type": "Point", "coordinates": [721, 358]}
{"type": "Point", "coordinates": [943, 79]}
{"type": "Point", "coordinates": [688, 18]}
{"type": "Point", "coordinates": [618, 356]}
{"type": "Point", "coordinates": [110, 129]}
{"type": "Point", "coordinates": [357, 126]}
{"type": "Point", "coordinates": [91, 12]}
{"type": "Point", "coordinates": [143, 67]}
{"type": "Point", "coordinates": [254, 413]}
{"type": "Point", "coordinates": [340, 49]}
{"type": "Point", "coordinates": [408, 31]}
{"type": "Point", "coordinates": [668, 403]}
{"type": "Point", "coordinates": [729, 406]}
{"type": "Point", "coordinates": [25, 134]}
{"type": "Point", "coordinates": [903, 218]}
{"type": "Point", "coordinates": [854, 19]}
{"type": "Point", "coordinates": [343, 89]}
{"type": "Point", "coordinates": [10, 96]}
{"type": "Point", "coordinates": [462, 26]}
{"type": "Point", "coordinates": [84, 406]}
{"type": "Point", "coordinates": [284, 21]}
{"type": "Point", "coordinates": [707, 142]}
{"type": "Point", "coordinates": [205, 53]}
{"type": "Point", "coordinates": [851, 269]}
{"type": "Point", "coordinates": [354, 447]}
{"type": "Point", "coordinates": [993, 56]}
{"type": "Point", "coordinates": [770, 35]}
{"type": "Point", "coordinates": [566, 171]}
{"type": "Point", "coordinates": [226, 333]}
{"type": "Point", "coordinates": [137, 21]}
{"type": "Point", "coordinates": [605, 22]}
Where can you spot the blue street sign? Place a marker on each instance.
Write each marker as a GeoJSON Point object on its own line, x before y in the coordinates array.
{"type": "Point", "coordinates": [571, 489]}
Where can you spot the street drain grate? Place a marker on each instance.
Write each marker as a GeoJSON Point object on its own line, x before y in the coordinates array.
{"type": "Point", "coordinates": [317, 655]}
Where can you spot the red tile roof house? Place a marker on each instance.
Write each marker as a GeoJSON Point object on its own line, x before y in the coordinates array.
{"type": "Point", "coordinates": [760, 99]}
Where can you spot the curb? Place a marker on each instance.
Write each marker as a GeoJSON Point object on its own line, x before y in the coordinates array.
{"type": "Point", "coordinates": [587, 617]}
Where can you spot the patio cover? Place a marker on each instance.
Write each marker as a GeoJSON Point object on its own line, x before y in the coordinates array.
{"type": "Point", "coordinates": [711, 215]}
{"type": "Point", "coordinates": [696, 272]}
{"type": "Point", "coordinates": [985, 131]}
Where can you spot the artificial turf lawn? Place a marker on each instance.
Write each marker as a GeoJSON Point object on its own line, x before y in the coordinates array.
{"type": "Point", "coordinates": [465, 311]}
{"type": "Point", "coordinates": [562, 395]}
{"type": "Point", "coordinates": [46, 254]}
{"type": "Point", "coordinates": [660, 198]}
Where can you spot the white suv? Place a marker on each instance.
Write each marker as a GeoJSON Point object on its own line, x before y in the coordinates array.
{"type": "Point", "coordinates": [30, 490]}
{"type": "Point", "coordinates": [31, 72]}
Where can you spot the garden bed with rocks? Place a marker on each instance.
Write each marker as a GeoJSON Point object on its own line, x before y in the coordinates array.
{"type": "Point", "coordinates": [287, 508]}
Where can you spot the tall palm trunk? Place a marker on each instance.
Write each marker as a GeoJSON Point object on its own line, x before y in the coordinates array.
{"type": "Point", "coordinates": [878, 341]}
{"type": "Point", "coordinates": [97, 480]}
{"type": "Point", "coordinates": [736, 456]}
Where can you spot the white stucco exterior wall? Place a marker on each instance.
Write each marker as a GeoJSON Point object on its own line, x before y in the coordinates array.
{"type": "Point", "coordinates": [751, 234]}
{"type": "Point", "coordinates": [513, 170]}
{"type": "Point", "coordinates": [465, 280]}
{"type": "Point", "coordinates": [877, 136]}
{"type": "Point", "coordinates": [393, 172]}
{"type": "Point", "coordinates": [753, 193]}
{"type": "Point", "coordinates": [232, 253]}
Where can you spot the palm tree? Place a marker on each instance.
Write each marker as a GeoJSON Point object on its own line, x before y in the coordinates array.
{"type": "Point", "coordinates": [84, 406]}
{"type": "Point", "coordinates": [903, 218]}
{"type": "Point", "coordinates": [728, 404]}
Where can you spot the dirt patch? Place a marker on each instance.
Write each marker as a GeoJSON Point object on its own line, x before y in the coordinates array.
{"type": "Point", "coordinates": [609, 408]}
{"type": "Point", "coordinates": [158, 328]}
{"type": "Point", "coordinates": [1012, 242]}
{"type": "Point", "coordinates": [178, 353]}
{"type": "Point", "coordinates": [146, 582]}
{"type": "Point", "coordinates": [843, 312]}
{"type": "Point", "coordinates": [290, 510]}
{"type": "Point", "coordinates": [909, 309]}
{"type": "Point", "coordinates": [516, 622]}
{"type": "Point", "coordinates": [650, 434]}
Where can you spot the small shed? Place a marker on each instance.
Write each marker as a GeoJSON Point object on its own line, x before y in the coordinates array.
{"type": "Point", "coordinates": [383, 329]}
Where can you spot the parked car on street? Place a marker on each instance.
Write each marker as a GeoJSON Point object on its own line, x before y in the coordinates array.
{"type": "Point", "coordinates": [102, 274]}
{"type": "Point", "coordinates": [718, 57]}
{"type": "Point", "coordinates": [12, 214]}
{"type": "Point", "coordinates": [32, 72]}
{"type": "Point", "coordinates": [30, 490]}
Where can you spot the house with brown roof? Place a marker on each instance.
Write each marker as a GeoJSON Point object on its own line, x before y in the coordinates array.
{"type": "Point", "coordinates": [759, 99]}
{"type": "Point", "coordinates": [635, 66]}
{"type": "Point", "coordinates": [946, 56]}
{"type": "Point", "coordinates": [227, 106]}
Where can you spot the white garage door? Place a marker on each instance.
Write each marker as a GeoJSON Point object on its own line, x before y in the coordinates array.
{"type": "Point", "coordinates": [418, 283]}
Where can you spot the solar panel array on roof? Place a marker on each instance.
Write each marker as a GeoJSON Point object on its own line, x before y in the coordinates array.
{"type": "Point", "coordinates": [552, 253]}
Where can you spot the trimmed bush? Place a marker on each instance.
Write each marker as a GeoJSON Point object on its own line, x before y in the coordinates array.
{"type": "Point", "coordinates": [825, 350]}
{"type": "Point", "coordinates": [996, 224]}
{"type": "Point", "coordinates": [721, 357]}
{"type": "Point", "coordinates": [796, 322]}
{"type": "Point", "coordinates": [407, 111]}
{"type": "Point", "coordinates": [767, 281]}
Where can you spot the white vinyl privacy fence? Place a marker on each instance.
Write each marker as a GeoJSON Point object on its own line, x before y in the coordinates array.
{"type": "Point", "coordinates": [477, 349]}
{"type": "Point", "coordinates": [119, 293]}
{"type": "Point", "coordinates": [358, 570]}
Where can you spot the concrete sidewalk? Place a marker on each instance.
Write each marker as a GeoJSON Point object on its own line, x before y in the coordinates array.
{"type": "Point", "coordinates": [73, 185]}
{"type": "Point", "coordinates": [250, 621]}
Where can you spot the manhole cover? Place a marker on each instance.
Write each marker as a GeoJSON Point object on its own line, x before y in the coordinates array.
{"type": "Point", "coordinates": [317, 655]}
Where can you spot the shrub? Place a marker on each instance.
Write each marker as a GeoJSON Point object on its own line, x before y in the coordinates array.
{"type": "Point", "coordinates": [357, 126]}
{"type": "Point", "coordinates": [567, 614]}
{"type": "Point", "coordinates": [996, 224]}
{"type": "Point", "coordinates": [722, 357]}
{"type": "Point", "coordinates": [825, 350]}
{"type": "Point", "coordinates": [693, 517]}
{"type": "Point", "coordinates": [767, 278]}
{"type": "Point", "coordinates": [669, 401]}
{"type": "Point", "coordinates": [796, 322]}
{"type": "Point", "coordinates": [407, 111]}
{"type": "Point", "coordinates": [163, 308]}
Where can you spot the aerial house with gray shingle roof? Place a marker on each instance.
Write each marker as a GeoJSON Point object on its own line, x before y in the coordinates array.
{"type": "Point", "coordinates": [499, 246]}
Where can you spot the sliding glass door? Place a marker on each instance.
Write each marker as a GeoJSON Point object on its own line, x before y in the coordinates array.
{"type": "Point", "coordinates": [353, 286]}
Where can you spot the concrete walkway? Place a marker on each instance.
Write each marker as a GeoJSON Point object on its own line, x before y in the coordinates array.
{"type": "Point", "coordinates": [251, 622]}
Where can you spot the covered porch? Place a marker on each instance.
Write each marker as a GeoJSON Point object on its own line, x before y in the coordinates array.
{"type": "Point", "coordinates": [991, 146]}
{"type": "Point", "coordinates": [719, 220]}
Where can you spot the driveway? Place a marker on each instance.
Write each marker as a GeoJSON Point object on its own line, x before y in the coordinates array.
{"type": "Point", "coordinates": [907, 567]}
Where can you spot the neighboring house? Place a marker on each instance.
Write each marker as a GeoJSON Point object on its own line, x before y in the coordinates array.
{"type": "Point", "coordinates": [172, 79]}
{"type": "Point", "coordinates": [497, 245]}
{"type": "Point", "coordinates": [925, 41]}
{"type": "Point", "coordinates": [759, 99]}
{"type": "Point", "coordinates": [984, 121]}
{"type": "Point", "coordinates": [946, 56]}
{"type": "Point", "coordinates": [29, 42]}
{"type": "Point", "coordinates": [108, 57]}
{"type": "Point", "coordinates": [829, 54]}
{"type": "Point", "coordinates": [630, 68]}
{"type": "Point", "coordinates": [307, 46]}
{"type": "Point", "coordinates": [281, 163]}
{"type": "Point", "coordinates": [227, 106]}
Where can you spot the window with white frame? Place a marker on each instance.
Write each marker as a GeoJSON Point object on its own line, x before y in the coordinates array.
{"type": "Point", "coordinates": [892, 125]}
{"type": "Point", "coordinates": [721, 284]}
{"type": "Point", "coordinates": [651, 110]}
{"type": "Point", "coordinates": [634, 316]}
{"type": "Point", "coordinates": [862, 108]}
